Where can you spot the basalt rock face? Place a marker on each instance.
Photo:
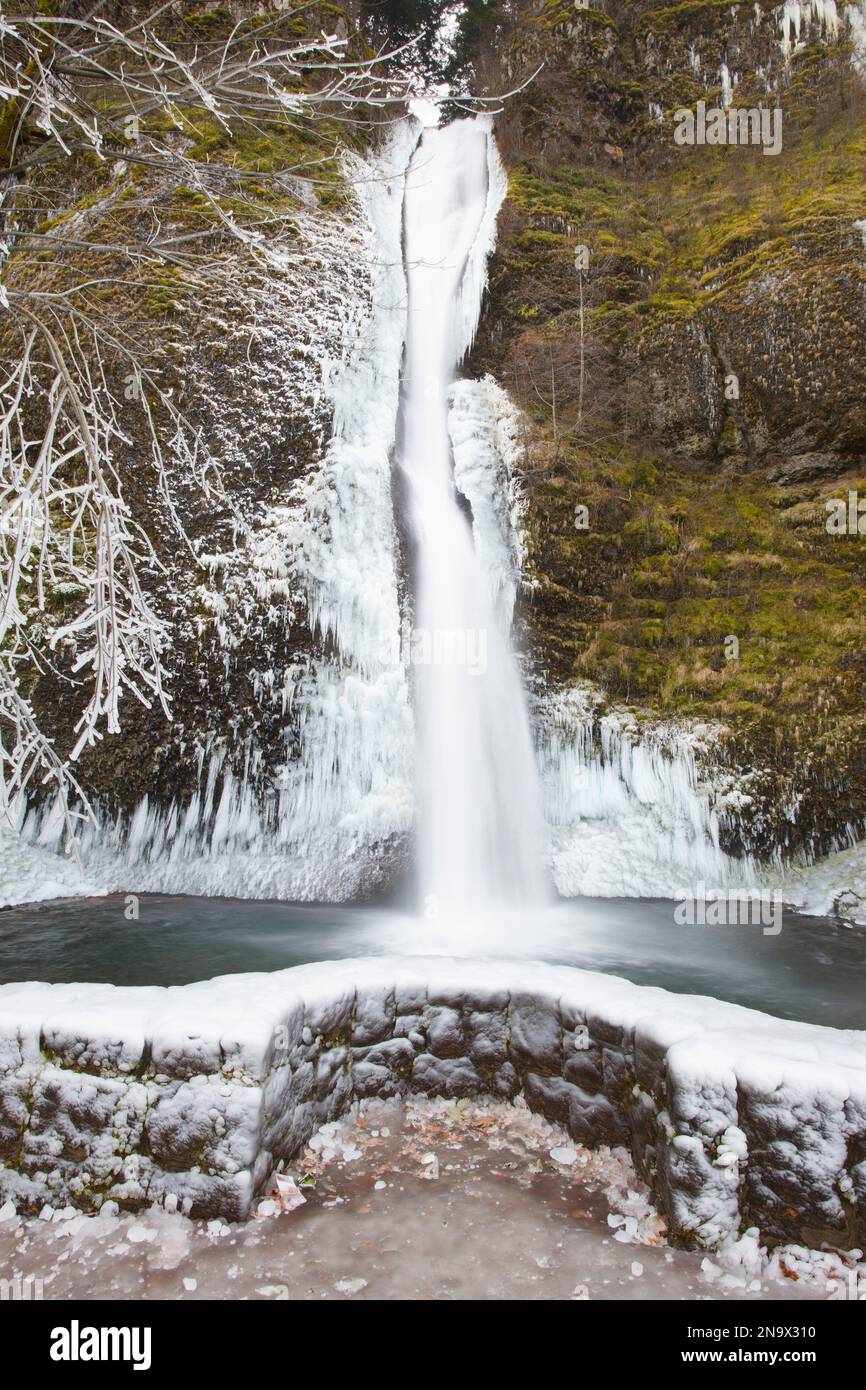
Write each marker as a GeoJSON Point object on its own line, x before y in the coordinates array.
{"type": "Point", "coordinates": [695, 391]}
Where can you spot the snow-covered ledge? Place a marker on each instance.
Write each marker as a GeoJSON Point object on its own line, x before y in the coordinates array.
{"type": "Point", "coordinates": [736, 1119]}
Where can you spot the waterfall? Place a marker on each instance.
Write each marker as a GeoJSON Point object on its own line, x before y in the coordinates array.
{"type": "Point", "coordinates": [626, 812]}
{"type": "Point", "coordinates": [479, 823]}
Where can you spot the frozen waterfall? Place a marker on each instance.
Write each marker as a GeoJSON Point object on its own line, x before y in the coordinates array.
{"type": "Point", "coordinates": [479, 819]}
{"type": "Point", "coordinates": [383, 731]}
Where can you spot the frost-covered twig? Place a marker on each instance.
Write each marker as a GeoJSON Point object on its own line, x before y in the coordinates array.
{"type": "Point", "coordinates": [75, 566]}
{"type": "Point", "coordinates": [67, 534]}
{"type": "Point", "coordinates": [86, 81]}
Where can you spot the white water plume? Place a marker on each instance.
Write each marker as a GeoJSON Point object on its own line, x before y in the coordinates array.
{"type": "Point", "coordinates": [479, 840]}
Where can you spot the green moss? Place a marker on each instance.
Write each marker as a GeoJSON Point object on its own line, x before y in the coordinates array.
{"type": "Point", "coordinates": [165, 294]}
{"type": "Point", "coordinates": [674, 563]}
{"type": "Point", "coordinates": [206, 23]}
{"type": "Point", "coordinates": [693, 14]}
{"type": "Point", "coordinates": [559, 13]}
{"type": "Point", "coordinates": [652, 532]}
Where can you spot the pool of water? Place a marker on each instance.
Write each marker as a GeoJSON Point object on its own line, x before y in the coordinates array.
{"type": "Point", "coordinates": [814, 969]}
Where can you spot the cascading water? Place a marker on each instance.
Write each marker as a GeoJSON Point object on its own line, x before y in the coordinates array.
{"type": "Point", "coordinates": [625, 811]}
{"type": "Point", "coordinates": [479, 838]}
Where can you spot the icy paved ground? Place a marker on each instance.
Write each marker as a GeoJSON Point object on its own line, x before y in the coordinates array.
{"type": "Point", "coordinates": [431, 1200]}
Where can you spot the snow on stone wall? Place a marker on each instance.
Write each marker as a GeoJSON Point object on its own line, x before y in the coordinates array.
{"type": "Point", "coordinates": [196, 1093]}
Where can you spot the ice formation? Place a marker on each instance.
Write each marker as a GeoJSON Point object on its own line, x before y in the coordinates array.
{"type": "Point", "coordinates": [727, 85]}
{"type": "Point", "coordinates": [798, 17]}
{"type": "Point", "coordinates": [315, 829]}
{"type": "Point", "coordinates": [803, 21]}
{"type": "Point", "coordinates": [628, 813]}
{"type": "Point", "coordinates": [835, 885]}
{"type": "Point", "coordinates": [856, 17]}
{"type": "Point", "coordinates": [484, 428]}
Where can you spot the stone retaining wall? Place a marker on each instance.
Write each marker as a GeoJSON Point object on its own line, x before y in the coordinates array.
{"type": "Point", "coordinates": [734, 1118]}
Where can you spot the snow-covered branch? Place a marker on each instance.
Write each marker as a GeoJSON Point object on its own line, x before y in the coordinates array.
{"type": "Point", "coordinates": [71, 554]}
{"type": "Point", "coordinates": [81, 590]}
{"type": "Point", "coordinates": [89, 83]}
{"type": "Point", "coordinates": [77, 572]}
